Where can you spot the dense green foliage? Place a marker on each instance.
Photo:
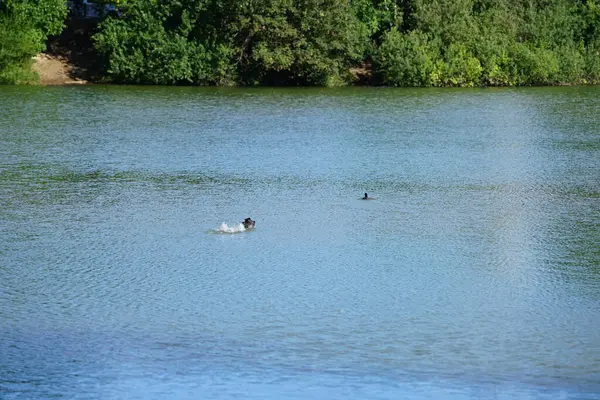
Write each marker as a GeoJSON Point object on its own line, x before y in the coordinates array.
{"type": "Point", "coordinates": [24, 28]}
{"type": "Point", "coordinates": [248, 42]}
{"type": "Point", "coordinates": [318, 42]}
{"type": "Point", "coordinates": [407, 42]}
{"type": "Point", "coordinates": [485, 42]}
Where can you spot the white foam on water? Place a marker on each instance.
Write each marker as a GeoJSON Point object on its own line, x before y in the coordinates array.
{"type": "Point", "coordinates": [224, 228]}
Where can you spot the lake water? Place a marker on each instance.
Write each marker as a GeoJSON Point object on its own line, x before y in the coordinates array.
{"type": "Point", "coordinates": [473, 274]}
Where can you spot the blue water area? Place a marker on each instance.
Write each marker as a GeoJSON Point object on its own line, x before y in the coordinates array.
{"type": "Point", "coordinates": [126, 272]}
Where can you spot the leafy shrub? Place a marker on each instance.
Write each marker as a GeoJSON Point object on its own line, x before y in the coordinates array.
{"type": "Point", "coordinates": [24, 28]}
{"type": "Point", "coordinates": [405, 59]}
{"type": "Point", "coordinates": [460, 68]}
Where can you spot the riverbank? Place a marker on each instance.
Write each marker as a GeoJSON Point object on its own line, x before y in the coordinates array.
{"type": "Point", "coordinates": [70, 58]}
{"type": "Point", "coordinates": [55, 70]}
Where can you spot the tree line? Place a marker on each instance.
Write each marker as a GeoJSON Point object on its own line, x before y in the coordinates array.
{"type": "Point", "coordinates": [325, 42]}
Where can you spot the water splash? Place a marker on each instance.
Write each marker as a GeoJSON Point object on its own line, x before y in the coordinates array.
{"type": "Point", "coordinates": [224, 228]}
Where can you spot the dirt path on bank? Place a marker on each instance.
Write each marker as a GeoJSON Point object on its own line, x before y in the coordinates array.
{"type": "Point", "coordinates": [55, 70]}
{"type": "Point", "coordinates": [70, 58]}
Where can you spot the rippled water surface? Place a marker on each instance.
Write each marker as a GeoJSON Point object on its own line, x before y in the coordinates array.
{"type": "Point", "coordinates": [124, 272]}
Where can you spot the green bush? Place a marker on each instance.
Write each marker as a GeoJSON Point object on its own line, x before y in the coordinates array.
{"type": "Point", "coordinates": [405, 59]}
{"type": "Point", "coordinates": [534, 66]}
{"type": "Point", "coordinates": [141, 49]}
{"type": "Point", "coordinates": [24, 28]}
{"type": "Point", "coordinates": [499, 71]}
{"type": "Point", "coordinates": [460, 68]}
{"type": "Point", "coordinates": [18, 44]}
{"type": "Point", "coordinates": [571, 64]}
{"type": "Point", "coordinates": [592, 63]}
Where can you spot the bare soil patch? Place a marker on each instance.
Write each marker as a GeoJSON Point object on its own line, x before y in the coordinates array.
{"type": "Point", "coordinates": [55, 70]}
{"type": "Point", "coordinates": [70, 58]}
{"type": "Point", "coordinates": [362, 74]}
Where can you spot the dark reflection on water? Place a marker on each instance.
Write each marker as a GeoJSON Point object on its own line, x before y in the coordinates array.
{"type": "Point", "coordinates": [473, 275]}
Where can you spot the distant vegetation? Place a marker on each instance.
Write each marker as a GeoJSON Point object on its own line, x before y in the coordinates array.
{"type": "Point", "coordinates": [24, 27]}
{"type": "Point", "coordinates": [319, 42]}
